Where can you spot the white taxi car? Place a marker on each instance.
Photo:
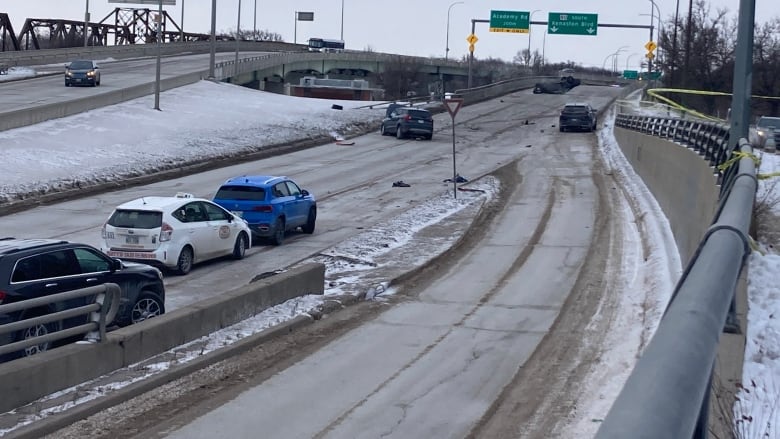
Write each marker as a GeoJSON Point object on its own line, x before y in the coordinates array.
{"type": "Point", "coordinates": [174, 232]}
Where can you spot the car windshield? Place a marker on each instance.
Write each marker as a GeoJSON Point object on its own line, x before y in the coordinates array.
{"type": "Point", "coordinates": [243, 193]}
{"type": "Point", "coordinates": [766, 122]}
{"type": "Point", "coordinates": [136, 219]}
{"type": "Point", "coordinates": [81, 65]}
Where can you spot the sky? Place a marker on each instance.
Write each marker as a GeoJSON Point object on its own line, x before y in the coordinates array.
{"type": "Point", "coordinates": [269, 119]}
{"type": "Point", "coordinates": [413, 27]}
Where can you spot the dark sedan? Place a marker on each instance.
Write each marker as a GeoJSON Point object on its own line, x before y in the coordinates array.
{"type": "Point", "coordinates": [82, 72]}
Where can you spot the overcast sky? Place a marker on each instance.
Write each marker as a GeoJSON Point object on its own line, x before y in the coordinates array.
{"type": "Point", "coordinates": [414, 27]}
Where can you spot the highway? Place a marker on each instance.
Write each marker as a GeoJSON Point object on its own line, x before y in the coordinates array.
{"type": "Point", "coordinates": [458, 336]}
{"type": "Point", "coordinates": [116, 75]}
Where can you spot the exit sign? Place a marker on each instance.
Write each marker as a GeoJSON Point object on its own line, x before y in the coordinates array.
{"type": "Point", "coordinates": [510, 21]}
{"type": "Point", "coordinates": [572, 23]}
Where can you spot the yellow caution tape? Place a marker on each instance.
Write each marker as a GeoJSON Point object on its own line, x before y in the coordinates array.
{"type": "Point", "coordinates": [655, 92]}
{"type": "Point", "coordinates": [736, 156]}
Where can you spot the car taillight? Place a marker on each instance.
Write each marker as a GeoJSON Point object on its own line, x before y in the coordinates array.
{"type": "Point", "coordinates": [165, 232]}
{"type": "Point", "coordinates": [2, 296]}
{"type": "Point", "coordinates": [263, 208]}
{"type": "Point", "coordinates": [105, 234]}
{"type": "Point", "coordinates": [407, 117]}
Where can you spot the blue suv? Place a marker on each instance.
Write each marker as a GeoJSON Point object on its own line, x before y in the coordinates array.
{"type": "Point", "coordinates": [271, 205]}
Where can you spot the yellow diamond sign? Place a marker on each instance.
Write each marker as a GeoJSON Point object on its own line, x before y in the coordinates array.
{"type": "Point", "coordinates": [650, 46]}
{"type": "Point", "coordinates": [649, 55]}
{"type": "Point", "coordinates": [472, 39]}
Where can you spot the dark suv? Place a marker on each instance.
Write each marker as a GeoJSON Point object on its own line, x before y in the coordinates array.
{"type": "Point", "coordinates": [579, 116]}
{"type": "Point", "coordinates": [32, 268]}
{"type": "Point", "coordinates": [407, 122]}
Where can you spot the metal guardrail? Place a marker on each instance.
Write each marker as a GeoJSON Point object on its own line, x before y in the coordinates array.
{"type": "Point", "coordinates": [101, 313]}
{"type": "Point", "coordinates": [667, 394]}
{"type": "Point", "coordinates": [710, 139]}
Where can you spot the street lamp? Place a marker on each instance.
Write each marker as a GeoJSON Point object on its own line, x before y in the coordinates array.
{"type": "Point", "coordinates": [86, 24]}
{"type": "Point", "coordinates": [530, 18]}
{"type": "Point", "coordinates": [629, 58]}
{"type": "Point", "coordinates": [238, 38]}
{"type": "Point", "coordinates": [254, 23]}
{"type": "Point", "coordinates": [447, 44]}
{"type": "Point", "coordinates": [342, 20]}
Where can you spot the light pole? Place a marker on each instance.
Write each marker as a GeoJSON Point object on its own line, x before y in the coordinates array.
{"type": "Point", "coordinates": [447, 44]}
{"type": "Point", "coordinates": [342, 20]}
{"type": "Point", "coordinates": [213, 54]}
{"type": "Point", "coordinates": [629, 58]}
{"type": "Point", "coordinates": [86, 24]}
{"type": "Point", "coordinates": [238, 38]}
{"type": "Point", "coordinates": [159, 55]}
{"type": "Point", "coordinates": [254, 22]}
{"type": "Point", "coordinates": [181, 29]}
{"type": "Point", "coordinates": [544, 45]}
{"type": "Point", "coordinates": [530, 18]}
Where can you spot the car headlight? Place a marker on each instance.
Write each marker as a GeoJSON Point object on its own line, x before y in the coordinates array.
{"type": "Point", "coordinates": [68, 73]}
{"type": "Point", "coordinates": [761, 133]}
{"type": "Point", "coordinates": [91, 73]}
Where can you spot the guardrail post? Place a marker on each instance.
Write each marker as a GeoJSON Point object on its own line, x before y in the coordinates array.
{"type": "Point", "coordinates": [109, 305]}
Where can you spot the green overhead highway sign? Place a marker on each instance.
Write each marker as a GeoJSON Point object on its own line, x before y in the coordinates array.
{"type": "Point", "coordinates": [566, 23]}
{"type": "Point", "coordinates": [630, 74]}
{"type": "Point", "coordinates": [509, 21]}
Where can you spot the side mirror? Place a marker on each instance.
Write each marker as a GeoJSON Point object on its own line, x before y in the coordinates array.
{"type": "Point", "coordinates": [116, 264]}
{"type": "Point", "coordinates": [304, 192]}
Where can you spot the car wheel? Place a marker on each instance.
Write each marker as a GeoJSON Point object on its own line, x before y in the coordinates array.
{"type": "Point", "coordinates": [67, 84]}
{"type": "Point", "coordinates": [311, 221]}
{"type": "Point", "coordinates": [429, 136]}
{"type": "Point", "coordinates": [239, 250]}
{"type": "Point", "coordinates": [398, 133]}
{"type": "Point", "coordinates": [184, 263]}
{"type": "Point", "coordinates": [36, 331]}
{"type": "Point", "coordinates": [382, 130]}
{"type": "Point", "coordinates": [278, 236]}
{"type": "Point", "coordinates": [561, 129]}
{"type": "Point", "coordinates": [147, 306]}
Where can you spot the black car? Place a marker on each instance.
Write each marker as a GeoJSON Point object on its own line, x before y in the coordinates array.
{"type": "Point", "coordinates": [31, 268]}
{"type": "Point", "coordinates": [578, 116]}
{"type": "Point", "coordinates": [82, 72]}
{"type": "Point", "coordinates": [407, 122]}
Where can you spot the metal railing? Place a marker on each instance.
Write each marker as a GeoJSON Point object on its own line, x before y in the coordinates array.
{"type": "Point", "coordinates": [100, 313]}
{"type": "Point", "coordinates": [667, 394]}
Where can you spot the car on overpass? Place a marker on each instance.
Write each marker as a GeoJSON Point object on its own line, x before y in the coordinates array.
{"type": "Point", "coordinates": [31, 268]}
{"type": "Point", "coordinates": [271, 205]}
{"type": "Point", "coordinates": [82, 72]}
{"type": "Point", "coordinates": [174, 232]}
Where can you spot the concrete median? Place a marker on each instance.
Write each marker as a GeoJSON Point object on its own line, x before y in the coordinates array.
{"type": "Point", "coordinates": [25, 380]}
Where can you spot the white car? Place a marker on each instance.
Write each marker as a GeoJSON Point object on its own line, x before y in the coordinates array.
{"type": "Point", "coordinates": [174, 232]}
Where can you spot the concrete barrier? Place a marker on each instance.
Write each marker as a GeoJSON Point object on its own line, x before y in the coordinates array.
{"type": "Point", "coordinates": [682, 182]}
{"type": "Point", "coordinates": [31, 116]}
{"type": "Point", "coordinates": [25, 380]}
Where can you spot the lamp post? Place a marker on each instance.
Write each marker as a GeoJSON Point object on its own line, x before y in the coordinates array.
{"type": "Point", "coordinates": [86, 24]}
{"type": "Point", "coordinates": [629, 58]}
{"type": "Point", "coordinates": [342, 20]}
{"type": "Point", "coordinates": [544, 46]}
{"type": "Point", "coordinates": [254, 22]}
{"type": "Point", "coordinates": [447, 44]}
{"type": "Point", "coordinates": [181, 29]}
{"type": "Point", "coordinates": [213, 52]}
{"type": "Point", "coordinates": [530, 18]}
{"type": "Point", "coordinates": [238, 38]}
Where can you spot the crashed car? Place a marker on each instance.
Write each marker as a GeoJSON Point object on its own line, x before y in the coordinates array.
{"type": "Point", "coordinates": [560, 86]}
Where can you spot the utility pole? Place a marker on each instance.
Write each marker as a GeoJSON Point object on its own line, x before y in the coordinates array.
{"type": "Point", "coordinates": [86, 25]}
{"type": "Point", "coordinates": [159, 54]}
{"type": "Point", "coordinates": [213, 56]}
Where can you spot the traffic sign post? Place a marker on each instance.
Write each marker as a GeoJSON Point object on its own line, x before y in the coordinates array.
{"type": "Point", "coordinates": [566, 23]}
{"type": "Point", "coordinates": [472, 40]}
{"type": "Point", "coordinates": [453, 105]}
{"type": "Point", "coordinates": [510, 21]}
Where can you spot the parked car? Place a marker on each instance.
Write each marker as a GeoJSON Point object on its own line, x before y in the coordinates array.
{"type": "Point", "coordinates": [767, 131]}
{"type": "Point", "coordinates": [407, 122]}
{"type": "Point", "coordinates": [174, 232]}
{"type": "Point", "coordinates": [31, 268]}
{"type": "Point", "coordinates": [579, 116]}
{"type": "Point", "coordinates": [82, 72]}
{"type": "Point", "coordinates": [272, 205]}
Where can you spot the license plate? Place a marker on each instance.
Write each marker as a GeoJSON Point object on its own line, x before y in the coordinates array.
{"type": "Point", "coordinates": [237, 213]}
{"type": "Point", "coordinates": [78, 79]}
{"type": "Point", "coordinates": [131, 240]}
{"type": "Point", "coordinates": [421, 121]}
